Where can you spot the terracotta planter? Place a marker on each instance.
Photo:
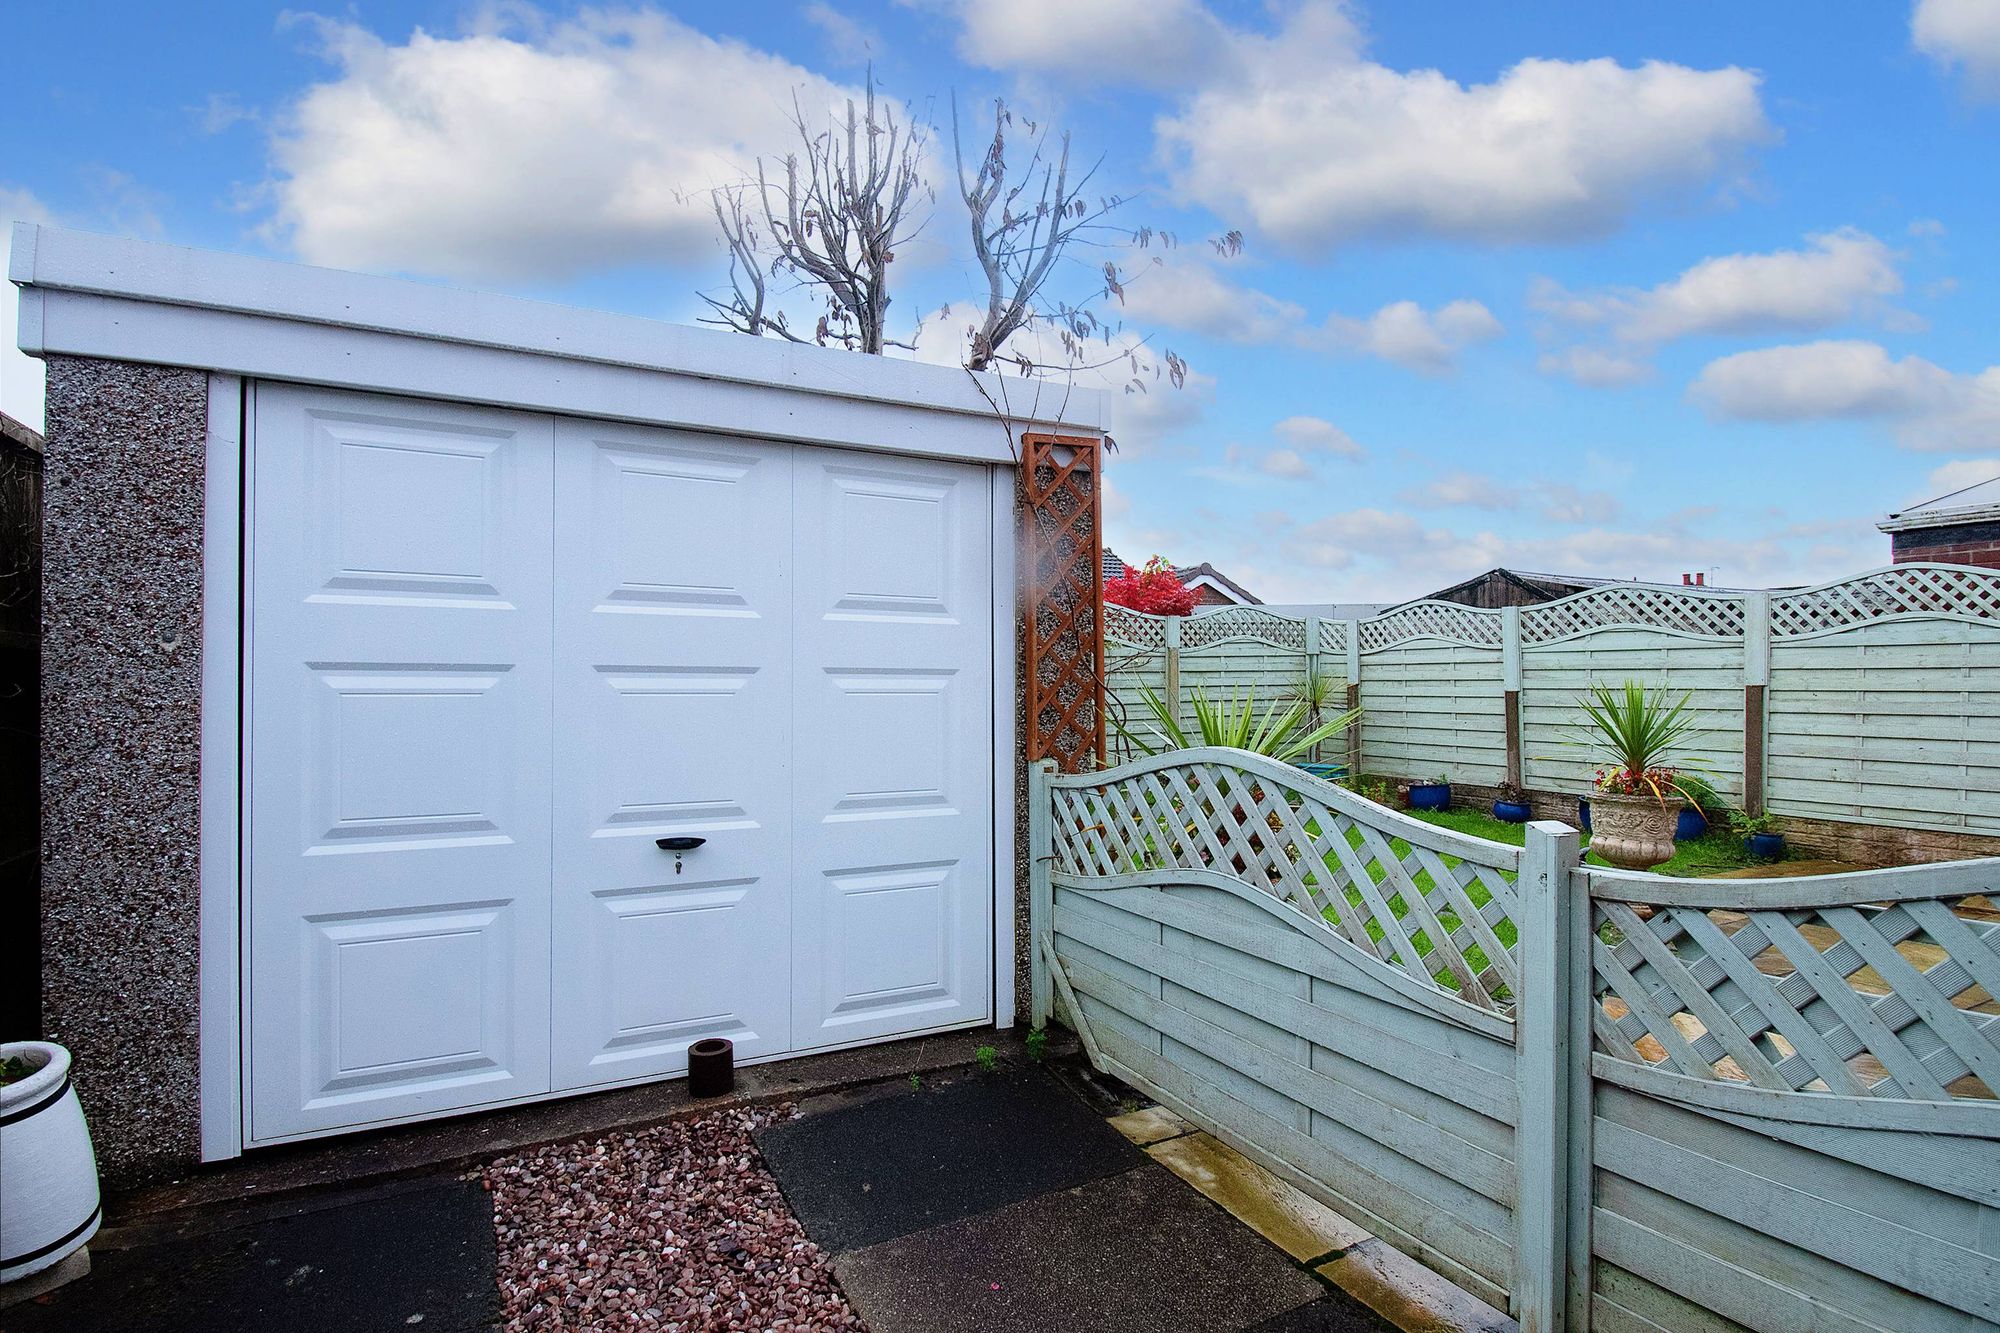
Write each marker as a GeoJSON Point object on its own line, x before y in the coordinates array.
{"type": "Point", "coordinates": [1632, 832]}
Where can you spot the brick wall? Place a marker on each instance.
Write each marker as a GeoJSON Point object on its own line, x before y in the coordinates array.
{"type": "Point", "coordinates": [1952, 544]}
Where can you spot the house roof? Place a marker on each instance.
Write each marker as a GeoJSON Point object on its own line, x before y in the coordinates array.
{"type": "Point", "coordinates": [1546, 586]}
{"type": "Point", "coordinates": [1967, 504]}
{"type": "Point", "coordinates": [1191, 575]}
{"type": "Point", "coordinates": [21, 434]}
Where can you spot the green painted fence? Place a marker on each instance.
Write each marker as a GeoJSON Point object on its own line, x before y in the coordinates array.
{"type": "Point", "coordinates": [1601, 1100]}
{"type": "Point", "coordinates": [1875, 699]}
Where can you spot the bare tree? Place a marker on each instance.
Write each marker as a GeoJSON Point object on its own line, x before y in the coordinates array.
{"type": "Point", "coordinates": [834, 222]}
{"type": "Point", "coordinates": [1025, 219]}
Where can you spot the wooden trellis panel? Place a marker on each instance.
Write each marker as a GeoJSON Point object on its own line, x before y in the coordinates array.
{"type": "Point", "coordinates": [1060, 476]}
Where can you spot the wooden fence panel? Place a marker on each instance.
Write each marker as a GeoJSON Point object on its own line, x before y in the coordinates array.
{"type": "Point", "coordinates": [1762, 1105]}
{"type": "Point", "coordinates": [1434, 707]}
{"type": "Point", "coordinates": [1894, 722]}
{"type": "Point", "coordinates": [1555, 675]}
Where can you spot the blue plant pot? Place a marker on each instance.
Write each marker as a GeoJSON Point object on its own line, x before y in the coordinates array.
{"type": "Point", "coordinates": [1430, 796]}
{"type": "Point", "coordinates": [1583, 812]}
{"type": "Point", "coordinates": [1766, 846]}
{"type": "Point", "coordinates": [1511, 812]}
{"type": "Point", "coordinates": [1692, 824]}
{"type": "Point", "coordinates": [1331, 772]}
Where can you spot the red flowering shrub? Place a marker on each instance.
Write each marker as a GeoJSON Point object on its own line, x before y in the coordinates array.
{"type": "Point", "coordinates": [1153, 589]}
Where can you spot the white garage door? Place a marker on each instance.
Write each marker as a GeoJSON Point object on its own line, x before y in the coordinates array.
{"type": "Point", "coordinates": [495, 657]}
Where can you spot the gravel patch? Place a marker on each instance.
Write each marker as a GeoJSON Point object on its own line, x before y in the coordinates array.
{"type": "Point", "coordinates": [678, 1228]}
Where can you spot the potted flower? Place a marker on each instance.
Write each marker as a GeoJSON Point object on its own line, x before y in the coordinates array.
{"type": "Point", "coordinates": [48, 1193]}
{"type": "Point", "coordinates": [1760, 835]}
{"type": "Point", "coordinates": [1432, 795]}
{"type": "Point", "coordinates": [1703, 806]}
{"type": "Point", "coordinates": [1512, 806]}
{"type": "Point", "coordinates": [1636, 796]}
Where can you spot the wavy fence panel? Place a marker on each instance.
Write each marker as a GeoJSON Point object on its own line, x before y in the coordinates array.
{"type": "Point", "coordinates": [1792, 1118]}
{"type": "Point", "coordinates": [1318, 981]}
{"type": "Point", "coordinates": [1554, 675]}
{"type": "Point", "coordinates": [1603, 1100]}
{"type": "Point", "coordinates": [1433, 707]}
{"type": "Point", "coordinates": [1899, 716]}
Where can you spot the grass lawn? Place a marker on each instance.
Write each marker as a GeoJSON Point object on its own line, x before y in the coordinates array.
{"type": "Point", "coordinates": [1711, 854]}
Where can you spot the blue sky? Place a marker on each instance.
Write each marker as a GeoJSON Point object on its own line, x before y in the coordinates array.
{"type": "Point", "coordinates": [1605, 289]}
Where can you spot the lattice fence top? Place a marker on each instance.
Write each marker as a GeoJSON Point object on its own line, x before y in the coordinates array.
{"type": "Point", "coordinates": [1435, 905]}
{"type": "Point", "coordinates": [1684, 610]}
{"type": "Point", "coordinates": [1900, 590]}
{"type": "Point", "coordinates": [1243, 622]}
{"type": "Point", "coordinates": [1432, 620]}
{"type": "Point", "coordinates": [1887, 999]}
{"type": "Point", "coordinates": [1136, 628]}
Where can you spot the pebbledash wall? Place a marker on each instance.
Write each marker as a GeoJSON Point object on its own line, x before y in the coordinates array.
{"type": "Point", "coordinates": [1864, 713]}
{"type": "Point", "coordinates": [149, 349]}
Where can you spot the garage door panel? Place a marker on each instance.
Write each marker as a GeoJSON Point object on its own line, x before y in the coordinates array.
{"type": "Point", "coordinates": [681, 521]}
{"type": "Point", "coordinates": [415, 1003]}
{"type": "Point", "coordinates": [669, 949]}
{"type": "Point", "coordinates": [410, 507]}
{"type": "Point", "coordinates": [892, 952]}
{"type": "Point", "coordinates": [893, 795]}
{"type": "Point", "coordinates": [672, 638]}
{"type": "Point", "coordinates": [398, 732]}
{"type": "Point", "coordinates": [893, 540]}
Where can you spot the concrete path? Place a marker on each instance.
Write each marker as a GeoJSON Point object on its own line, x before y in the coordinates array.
{"type": "Point", "coordinates": [1001, 1201]}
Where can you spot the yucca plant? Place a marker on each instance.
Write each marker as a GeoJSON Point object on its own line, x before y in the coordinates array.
{"type": "Point", "coordinates": [1316, 690]}
{"type": "Point", "coordinates": [1638, 735]}
{"type": "Point", "coordinates": [1281, 730]}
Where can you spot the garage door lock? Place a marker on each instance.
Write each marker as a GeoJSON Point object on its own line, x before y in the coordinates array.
{"type": "Point", "coordinates": [677, 846]}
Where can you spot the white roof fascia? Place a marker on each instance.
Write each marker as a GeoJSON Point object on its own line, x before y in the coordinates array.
{"type": "Point", "coordinates": [122, 299]}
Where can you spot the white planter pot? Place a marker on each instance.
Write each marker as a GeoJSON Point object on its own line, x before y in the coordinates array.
{"type": "Point", "coordinates": [49, 1204]}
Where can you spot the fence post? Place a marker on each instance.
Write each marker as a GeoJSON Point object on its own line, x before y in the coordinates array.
{"type": "Point", "coordinates": [1510, 685]}
{"type": "Point", "coordinates": [1354, 699]}
{"type": "Point", "coordinates": [1756, 679]}
{"type": "Point", "coordinates": [1041, 893]}
{"type": "Point", "coordinates": [1552, 1078]}
{"type": "Point", "coordinates": [1311, 665]}
{"type": "Point", "coordinates": [1170, 635]}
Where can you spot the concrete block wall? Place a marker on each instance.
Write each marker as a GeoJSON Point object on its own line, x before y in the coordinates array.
{"type": "Point", "coordinates": [121, 728]}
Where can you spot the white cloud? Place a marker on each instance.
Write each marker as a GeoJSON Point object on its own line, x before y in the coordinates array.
{"type": "Point", "coordinates": [1961, 34]}
{"type": "Point", "coordinates": [1385, 554]}
{"type": "Point", "coordinates": [1931, 407]}
{"type": "Point", "coordinates": [21, 377]}
{"type": "Point", "coordinates": [846, 38]}
{"type": "Point", "coordinates": [1316, 434]}
{"type": "Point", "coordinates": [532, 152]}
{"type": "Point", "coordinates": [1552, 501]}
{"type": "Point", "coordinates": [1593, 366]}
{"type": "Point", "coordinates": [1196, 296]}
{"type": "Point", "coordinates": [1956, 476]}
{"type": "Point", "coordinates": [1839, 275]}
{"type": "Point", "coordinates": [1154, 43]}
{"type": "Point", "coordinates": [1316, 145]}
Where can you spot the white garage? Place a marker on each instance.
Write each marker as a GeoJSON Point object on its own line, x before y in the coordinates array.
{"type": "Point", "coordinates": [573, 687]}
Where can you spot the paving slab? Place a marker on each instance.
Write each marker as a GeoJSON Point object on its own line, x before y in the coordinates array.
{"type": "Point", "coordinates": [414, 1255]}
{"type": "Point", "coordinates": [1137, 1252]}
{"type": "Point", "coordinates": [864, 1171]}
{"type": "Point", "coordinates": [1409, 1295]}
{"type": "Point", "coordinates": [1290, 1219]}
{"type": "Point", "coordinates": [1150, 1125]}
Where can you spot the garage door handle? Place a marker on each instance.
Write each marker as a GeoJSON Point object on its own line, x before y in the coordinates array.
{"type": "Point", "coordinates": [679, 844]}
